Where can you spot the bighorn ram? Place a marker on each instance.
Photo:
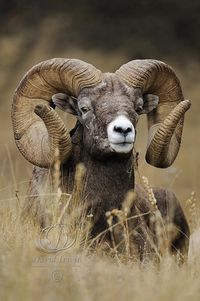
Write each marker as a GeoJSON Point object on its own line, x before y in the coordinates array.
{"type": "Point", "coordinates": [107, 107]}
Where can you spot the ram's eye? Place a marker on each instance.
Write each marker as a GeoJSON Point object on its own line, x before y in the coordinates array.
{"type": "Point", "coordinates": [139, 109]}
{"type": "Point", "coordinates": [84, 109]}
{"type": "Point", "coordinates": [139, 105]}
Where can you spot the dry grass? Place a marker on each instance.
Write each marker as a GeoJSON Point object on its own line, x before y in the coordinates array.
{"type": "Point", "coordinates": [87, 269]}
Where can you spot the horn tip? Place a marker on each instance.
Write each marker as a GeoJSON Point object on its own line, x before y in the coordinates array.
{"type": "Point", "coordinates": [188, 103]}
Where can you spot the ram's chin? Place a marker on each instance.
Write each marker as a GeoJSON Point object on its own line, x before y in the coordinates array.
{"type": "Point", "coordinates": [122, 148]}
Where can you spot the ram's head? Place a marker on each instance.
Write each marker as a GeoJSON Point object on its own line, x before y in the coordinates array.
{"type": "Point", "coordinates": [107, 106]}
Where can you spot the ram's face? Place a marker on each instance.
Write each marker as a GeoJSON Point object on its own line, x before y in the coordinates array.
{"type": "Point", "coordinates": [108, 114]}
{"type": "Point", "coordinates": [109, 120]}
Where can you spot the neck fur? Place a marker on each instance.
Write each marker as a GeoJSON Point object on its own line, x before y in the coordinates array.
{"type": "Point", "coordinates": [106, 181]}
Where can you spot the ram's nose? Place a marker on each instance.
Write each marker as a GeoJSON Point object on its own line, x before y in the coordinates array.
{"type": "Point", "coordinates": [121, 127]}
{"type": "Point", "coordinates": [124, 130]}
{"type": "Point", "coordinates": [121, 134]}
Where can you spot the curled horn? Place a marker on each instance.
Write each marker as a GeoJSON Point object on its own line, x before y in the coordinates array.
{"type": "Point", "coordinates": [38, 130]}
{"type": "Point", "coordinates": [165, 123]}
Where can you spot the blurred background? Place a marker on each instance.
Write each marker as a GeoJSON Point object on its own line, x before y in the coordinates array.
{"type": "Point", "coordinates": [106, 34]}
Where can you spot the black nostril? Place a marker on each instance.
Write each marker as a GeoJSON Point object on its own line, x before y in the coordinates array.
{"type": "Point", "coordinates": [120, 130]}
{"type": "Point", "coordinates": [128, 130]}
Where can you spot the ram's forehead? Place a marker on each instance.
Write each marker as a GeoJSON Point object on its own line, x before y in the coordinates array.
{"type": "Point", "coordinates": [110, 86]}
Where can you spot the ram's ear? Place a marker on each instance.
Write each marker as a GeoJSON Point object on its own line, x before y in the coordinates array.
{"type": "Point", "coordinates": [150, 102]}
{"type": "Point", "coordinates": [65, 103]}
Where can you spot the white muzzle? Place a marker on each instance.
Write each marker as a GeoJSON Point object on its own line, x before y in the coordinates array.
{"type": "Point", "coordinates": [121, 134]}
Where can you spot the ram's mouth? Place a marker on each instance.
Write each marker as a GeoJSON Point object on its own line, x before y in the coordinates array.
{"type": "Point", "coordinates": [122, 147]}
{"type": "Point", "coordinates": [123, 143]}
